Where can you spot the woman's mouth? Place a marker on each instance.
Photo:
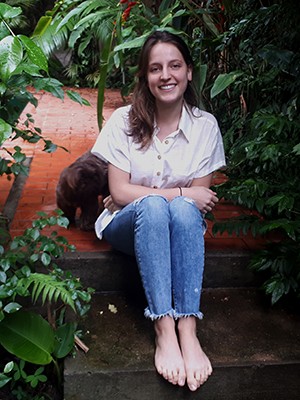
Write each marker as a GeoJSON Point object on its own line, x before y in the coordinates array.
{"type": "Point", "coordinates": [167, 87]}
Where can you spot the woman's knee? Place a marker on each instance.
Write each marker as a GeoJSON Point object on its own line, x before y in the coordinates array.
{"type": "Point", "coordinates": [184, 209]}
{"type": "Point", "coordinates": [154, 207]}
{"type": "Point", "coordinates": [153, 203]}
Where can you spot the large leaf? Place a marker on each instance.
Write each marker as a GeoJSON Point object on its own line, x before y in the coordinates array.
{"type": "Point", "coordinates": [7, 11]}
{"type": "Point", "coordinates": [42, 25]}
{"type": "Point", "coordinates": [64, 340]}
{"type": "Point", "coordinates": [34, 53]}
{"type": "Point", "coordinates": [131, 44]}
{"type": "Point", "coordinates": [223, 81]}
{"type": "Point", "coordinates": [11, 54]}
{"type": "Point", "coordinates": [28, 336]}
{"type": "Point", "coordinates": [75, 12]}
{"type": "Point", "coordinates": [5, 131]}
{"type": "Point", "coordinates": [77, 98]}
{"type": "Point", "coordinates": [47, 287]}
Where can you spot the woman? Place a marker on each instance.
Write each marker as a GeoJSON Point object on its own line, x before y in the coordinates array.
{"type": "Point", "coordinates": [161, 153]}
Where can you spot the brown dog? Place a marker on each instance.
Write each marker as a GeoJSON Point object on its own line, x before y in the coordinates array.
{"type": "Point", "coordinates": [79, 186]}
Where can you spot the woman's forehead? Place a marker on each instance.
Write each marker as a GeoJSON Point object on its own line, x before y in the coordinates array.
{"type": "Point", "coordinates": [164, 51]}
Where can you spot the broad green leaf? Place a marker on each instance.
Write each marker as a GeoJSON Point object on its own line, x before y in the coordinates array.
{"type": "Point", "coordinates": [46, 259]}
{"type": "Point", "coordinates": [4, 380]}
{"type": "Point", "coordinates": [11, 54]}
{"type": "Point", "coordinates": [210, 24]}
{"type": "Point", "coordinates": [28, 336]}
{"type": "Point", "coordinates": [34, 234]}
{"type": "Point", "coordinates": [223, 81]}
{"type": "Point", "coordinates": [296, 149]}
{"type": "Point", "coordinates": [202, 76]}
{"type": "Point", "coordinates": [50, 85]}
{"type": "Point", "coordinates": [64, 336]}
{"type": "Point", "coordinates": [35, 53]}
{"type": "Point", "coordinates": [170, 16]}
{"type": "Point", "coordinates": [3, 277]}
{"type": "Point", "coordinates": [5, 131]}
{"type": "Point", "coordinates": [274, 199]}
{"type": "Point", "coordinates": [131, 44]}
{"type": "Point", "coordinates": [42, 25]}
{"type": "Point", "coordinates": [7, 11]}
{"type": "Point", "coordinates": [277, 57]}
{"type": "Point", "coordinates": [12, 307]}
{"type": "Point", "coordinates": [8, 367]}
{"type": "Point", "coordinates": [98, 15]}
{"type": "Point", "coordinates": [77, 98]}
{"type": "Point", "coordinates": [75, 12]}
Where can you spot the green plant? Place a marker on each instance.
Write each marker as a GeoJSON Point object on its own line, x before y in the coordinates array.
{"type": "Point", "coordinates": [258, 98]}
{"type": "Point", "coordinates": [22, 65]}
{"type": "Point", "coordinates": [117, 30]}
{"type": "Point", "coordinates": [28, 271]}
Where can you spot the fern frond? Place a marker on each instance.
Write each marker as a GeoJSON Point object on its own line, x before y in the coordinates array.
{"type": "Point", "coordinates": [46, 287]}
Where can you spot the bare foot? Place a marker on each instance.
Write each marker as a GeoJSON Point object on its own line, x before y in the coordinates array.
{"type": "Point", "coordinates": [168, 359]}
{"type": "Point", "coordinates": [197, 365]}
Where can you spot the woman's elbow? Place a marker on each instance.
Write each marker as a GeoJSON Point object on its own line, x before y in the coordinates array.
{"type": "Point", "coordinates": [118, 196]}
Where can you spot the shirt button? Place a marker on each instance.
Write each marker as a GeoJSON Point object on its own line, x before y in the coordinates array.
{"type": "Point", "coordinates": [166, 141]}
{"type": "Point", "coordinates": [159, 157]}
{"type": "Point", "coordinates": [158, 173]}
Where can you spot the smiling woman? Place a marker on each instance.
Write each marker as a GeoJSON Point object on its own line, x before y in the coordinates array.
{"type": "Point", "coordinates": [168, 76]}
{"type": "Point", "coordinates": [161, 152]}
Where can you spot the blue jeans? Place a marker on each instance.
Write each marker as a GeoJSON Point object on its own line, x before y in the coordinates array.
{"type": "Point", "coordinates": [167, 240]}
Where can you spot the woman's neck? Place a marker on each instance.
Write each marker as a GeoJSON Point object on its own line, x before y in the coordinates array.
{"type": "Point", "coordinates": [167, 119]}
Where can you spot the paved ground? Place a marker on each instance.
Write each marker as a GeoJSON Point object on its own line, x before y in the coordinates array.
{"type": "Point", "coordinates": [75, 127]}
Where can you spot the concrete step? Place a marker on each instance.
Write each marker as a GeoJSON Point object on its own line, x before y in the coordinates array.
{"type": "Point", "coordinates": [111, 271]}
{"type": "Point", "coordinates": [254, 349]}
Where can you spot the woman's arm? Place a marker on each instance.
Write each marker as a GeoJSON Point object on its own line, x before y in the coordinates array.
{"type": "Point", "coordinates": [123, 192]}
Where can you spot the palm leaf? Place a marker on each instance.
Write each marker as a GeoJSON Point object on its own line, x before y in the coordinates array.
{"type": "Point", "coordinates": [49, 289]}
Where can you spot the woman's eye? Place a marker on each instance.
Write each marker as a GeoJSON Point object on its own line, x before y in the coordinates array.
{"type": "Point", "coordinates": [176, 66]}
{"type": "Point", "coordinates": [154, 69]}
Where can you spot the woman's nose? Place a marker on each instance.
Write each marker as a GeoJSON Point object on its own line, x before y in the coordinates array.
{"type": "Point", "coordinates": [165, 73]}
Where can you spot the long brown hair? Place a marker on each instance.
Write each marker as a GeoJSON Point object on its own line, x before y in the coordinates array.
{"type": "Point", "coordinates": [142, 112]}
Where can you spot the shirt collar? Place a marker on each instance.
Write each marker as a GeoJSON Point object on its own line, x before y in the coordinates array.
{"type": "Point", "coordinates": [185, 122]}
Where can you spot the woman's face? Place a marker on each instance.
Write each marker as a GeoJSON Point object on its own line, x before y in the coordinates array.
{"type": "Point", "coordinates": [168, 74]}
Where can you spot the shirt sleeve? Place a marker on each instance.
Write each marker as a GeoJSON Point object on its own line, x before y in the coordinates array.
{"type": "Point", "coordinates": [112, 144]}
{"type": "Point", "coordinates": [214, 156]}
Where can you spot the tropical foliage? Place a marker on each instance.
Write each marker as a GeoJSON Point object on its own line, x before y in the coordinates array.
{"type": "Point", "coordinates": [29, 276]}
{"type": "Point", "coordinates": [23, 65]}
{"type": "Point", "coordinates": [246, 57]}
{"type": "Point", "coordinates": [247, 68]}
{"type": "Point", "coordinates": [104, 37]}
{"type": "Point", "coordinates": [34, 293]}
{"type": "Point", "coordinates": [258, 108]}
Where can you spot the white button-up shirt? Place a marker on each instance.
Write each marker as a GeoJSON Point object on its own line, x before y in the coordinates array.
{"type": "Point", "coordinates": [194, 150]}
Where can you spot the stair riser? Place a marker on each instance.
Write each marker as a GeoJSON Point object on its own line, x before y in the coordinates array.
{"type": "Point", "coordinates": [110, 271]}
{"type": "Point", "coordinates": [280, 382]}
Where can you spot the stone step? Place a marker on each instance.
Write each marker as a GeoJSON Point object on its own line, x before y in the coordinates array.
{"type": "Point", "coordinates": [111, 271]}
{"type": "Point", "coordinates": [254, 349]}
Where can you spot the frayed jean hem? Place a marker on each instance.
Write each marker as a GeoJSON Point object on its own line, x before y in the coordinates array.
{"type": "Point", "coordinates": [197, 315]}
{"type": "Point", "coordinates": [154, 317]}
{"type": "Point", "coordinates": [172, 314]}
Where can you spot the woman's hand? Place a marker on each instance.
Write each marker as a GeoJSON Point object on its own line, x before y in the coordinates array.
{"type": "Point", "coordinates": [110, 205]}
{"type": "Point", "coordinates": [204, 198]}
